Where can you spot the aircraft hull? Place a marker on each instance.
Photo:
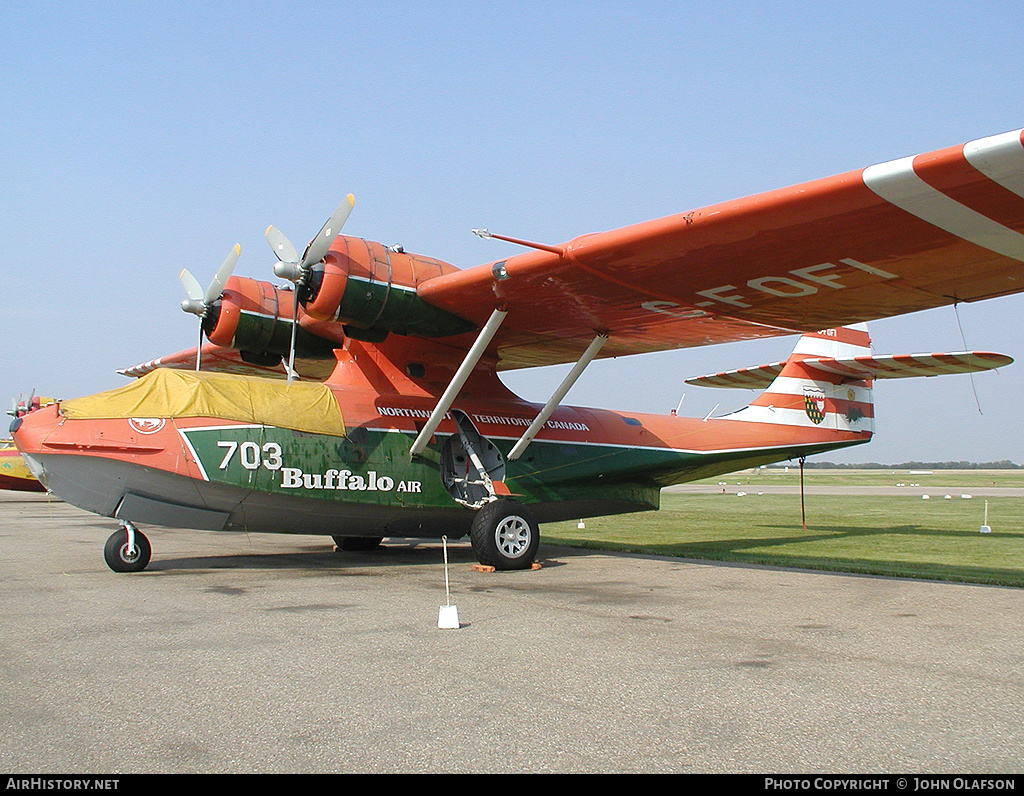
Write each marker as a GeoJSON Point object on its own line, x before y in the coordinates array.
{"type": "Point", "coordinates": [121, 489]}
{"type": "Point", "coordinates": [218, 475]}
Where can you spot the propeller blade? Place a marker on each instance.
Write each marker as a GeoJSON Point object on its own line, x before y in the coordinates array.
{"type": "Point", "coordinates": [282, 247]}
{"type": "Point", "coordinates": [217, 285]}
{"type": "Point", "coordinates": [191, 284]}
{"type": "Point", "coordinates": [325, 237]}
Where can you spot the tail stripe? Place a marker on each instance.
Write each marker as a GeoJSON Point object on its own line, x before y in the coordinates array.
{"type": "Point", "coordinates": [902, 366]}
{"type": "Point", "coordinates": [805, 394]}
{"type": "Point", "coordinates": [826, 382]}
{"type": "Point", "coordinates": [753, 378]}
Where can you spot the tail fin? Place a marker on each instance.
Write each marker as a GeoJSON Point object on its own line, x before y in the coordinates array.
{"type": "Point", "coordinates": [803, 394]}
{"type": "Point", "coordinates": [826, 382]}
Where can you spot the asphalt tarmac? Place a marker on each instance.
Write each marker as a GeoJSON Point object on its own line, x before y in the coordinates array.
{"type": "Point", "coordinates": [236, 653]}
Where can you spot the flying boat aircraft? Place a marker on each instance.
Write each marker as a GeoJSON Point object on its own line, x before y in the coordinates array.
{"type": "Point", "coordinates": [363, 401]}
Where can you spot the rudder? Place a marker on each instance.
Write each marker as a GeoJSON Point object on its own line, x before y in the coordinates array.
{"type": "Point", "coordinates": [808, 396]}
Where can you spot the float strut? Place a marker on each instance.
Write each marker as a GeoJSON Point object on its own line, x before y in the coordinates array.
{"type": "Point", "coordinates": [461, 375]}
{"type": "Point", "coordinates": [557, 396]}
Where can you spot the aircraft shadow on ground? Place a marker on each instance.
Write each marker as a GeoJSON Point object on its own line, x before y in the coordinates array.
{"type": "Point", "coordinates": [400, 553]}
{"type": "Point", "coordinates": [757, 550]}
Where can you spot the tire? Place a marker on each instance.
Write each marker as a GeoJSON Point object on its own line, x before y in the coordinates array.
{"type": "Point", "coordinates": [358, 543]}
{"type": "Point", "coordinates": [115, 552]}
{"type": "Point", "coordinates": [505, 535]}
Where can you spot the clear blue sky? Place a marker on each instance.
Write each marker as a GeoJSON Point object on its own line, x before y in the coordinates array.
{"type": "Point", "coordinates": [140, 138]}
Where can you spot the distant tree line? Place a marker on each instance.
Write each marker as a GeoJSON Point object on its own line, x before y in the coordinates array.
{"type": "Point", "coordinates": [1004, 464]}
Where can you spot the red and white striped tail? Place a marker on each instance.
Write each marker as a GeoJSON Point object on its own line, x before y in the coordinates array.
{"type": "Point", "coordinates": [804, 395]}
{"type": "Point", "coordinates": [826, 382]}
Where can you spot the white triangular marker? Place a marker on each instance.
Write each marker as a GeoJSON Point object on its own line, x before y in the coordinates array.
{"type": "Point", "coordinates": [447, 615]}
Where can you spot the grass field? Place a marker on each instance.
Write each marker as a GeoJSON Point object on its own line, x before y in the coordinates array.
{"type": "Point", "coordinates": [853, 477]}
{"type": "Point", "coordinates": [901, 535]}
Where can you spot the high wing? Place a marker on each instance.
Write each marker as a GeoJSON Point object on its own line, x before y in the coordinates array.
{"type": "Point", "coordinates": [906, 235]}
{"type": "Point", "coordinates": [898, 237]}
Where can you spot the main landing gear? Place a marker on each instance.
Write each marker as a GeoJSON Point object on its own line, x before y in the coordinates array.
{"type": "Point", "coordinates": [504, 532]}
{"type": "Point", "coordinates": [505, 535]}
{"type": "Point", "coordinates": [127, 549]}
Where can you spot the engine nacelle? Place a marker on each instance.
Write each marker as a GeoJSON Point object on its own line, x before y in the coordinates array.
{"type": "Point", "coordinates": [371, 290]}
{"type": "Point", "coordinates": [256, 318]}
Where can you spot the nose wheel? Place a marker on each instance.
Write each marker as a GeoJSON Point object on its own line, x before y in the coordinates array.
{"type": "Point", "coordinates": [127, 549]}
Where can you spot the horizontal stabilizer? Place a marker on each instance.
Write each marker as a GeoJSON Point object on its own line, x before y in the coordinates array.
{"type": "Point", "coordinates": [899, 366]}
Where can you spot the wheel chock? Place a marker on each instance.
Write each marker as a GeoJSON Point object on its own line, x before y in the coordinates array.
{"type": "Point", "coordinates": [487, 568]}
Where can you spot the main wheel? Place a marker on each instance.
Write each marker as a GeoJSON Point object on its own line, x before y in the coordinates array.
{"type": "Point", "coordinates": [505, 535]}
{"type": "Point", "coordinates": [350, 543]}
{"type": "Point", "coordinates": [116, 554]}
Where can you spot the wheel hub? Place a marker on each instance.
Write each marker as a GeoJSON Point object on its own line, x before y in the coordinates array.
{"type": "Point", "coordinates": [512, 536]}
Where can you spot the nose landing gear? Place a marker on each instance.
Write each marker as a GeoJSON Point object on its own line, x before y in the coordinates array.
{"type": "Point", "coordinates": [127, 549]}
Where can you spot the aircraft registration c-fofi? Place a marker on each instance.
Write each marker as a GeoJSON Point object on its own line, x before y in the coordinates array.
{"type": "Point", "coordinates": [362, 401]}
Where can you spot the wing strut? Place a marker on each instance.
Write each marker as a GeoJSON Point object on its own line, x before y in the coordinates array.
{"type": "Point", "coordinates": [557, 396]}
{"type": "Point", "coordinates": [461, 375]}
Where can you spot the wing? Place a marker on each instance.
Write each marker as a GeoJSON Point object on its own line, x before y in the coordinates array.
{"type": "Point", "coordinates": [902, 236]}
{"type": "Point", "coordinates": [229, 360]}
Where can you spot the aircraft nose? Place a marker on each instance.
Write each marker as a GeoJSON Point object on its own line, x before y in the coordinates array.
{"type": "Point", "coordinates": [28, 432]}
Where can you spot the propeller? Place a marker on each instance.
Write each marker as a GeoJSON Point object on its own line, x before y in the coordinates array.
{"type": "Point", "coordinates": [19, 406]}
{"type": "Point", "coordinates": [200, 301]}
{"type": "Point", "coordinates": [289, 265]}
{"type": "Point", "coordinates": [295, 269]}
